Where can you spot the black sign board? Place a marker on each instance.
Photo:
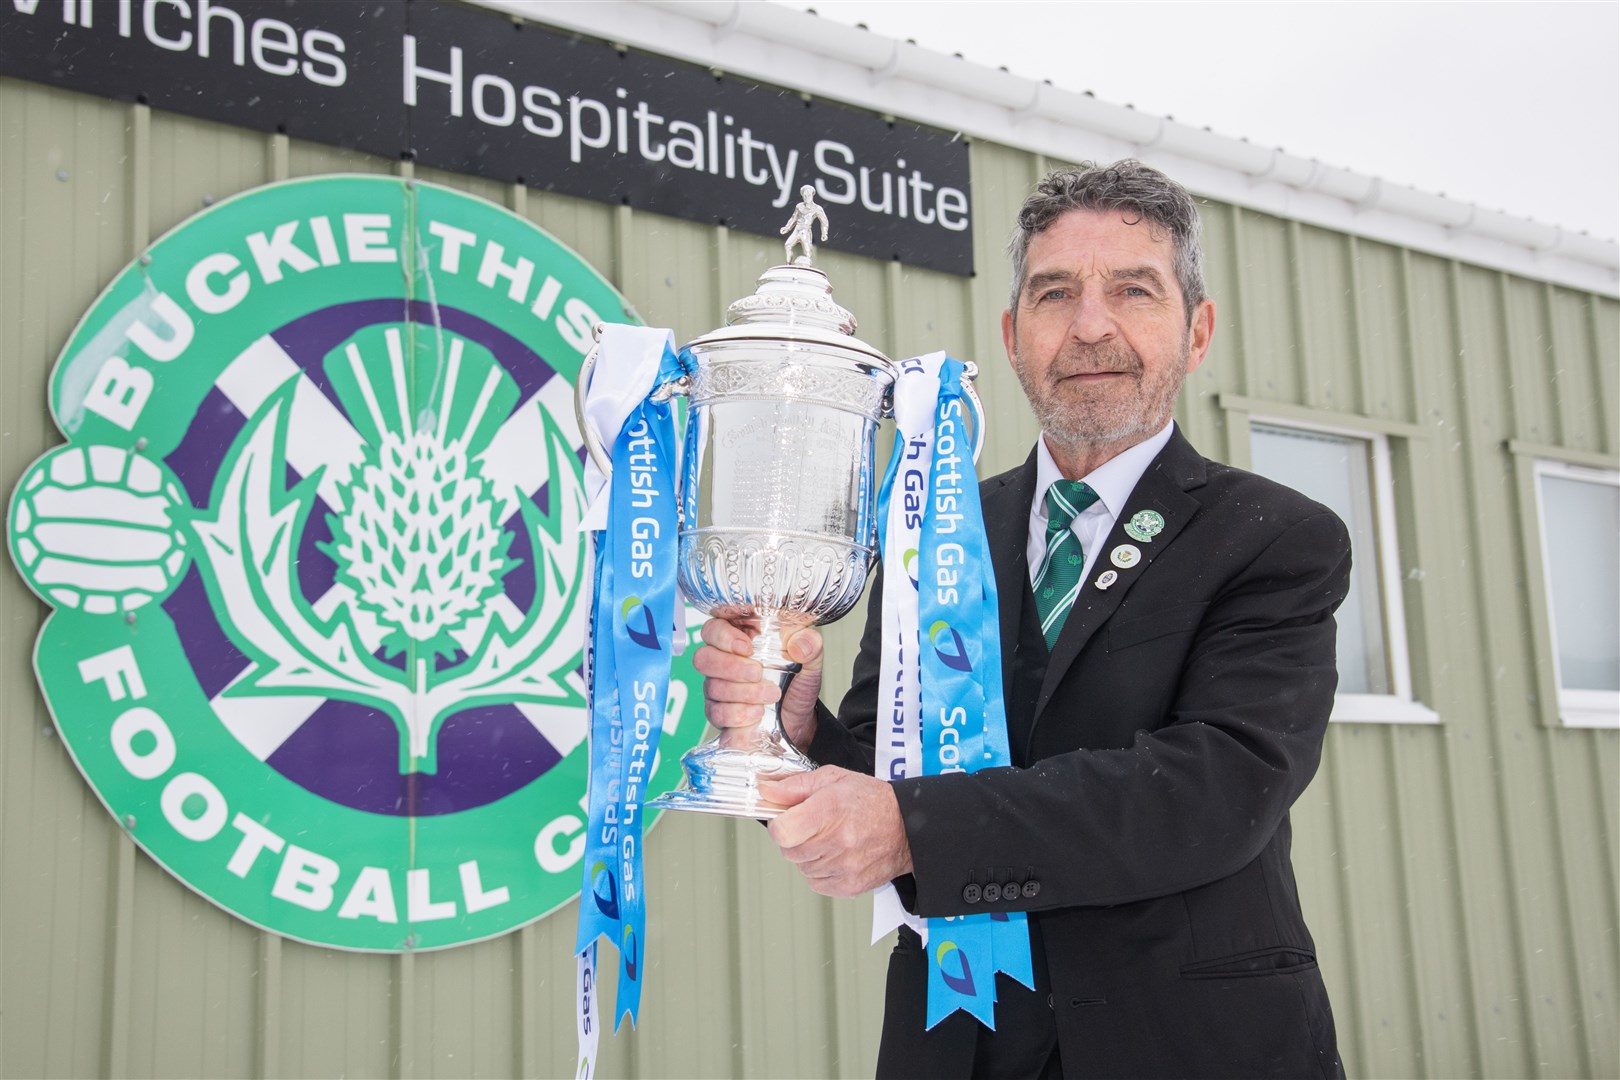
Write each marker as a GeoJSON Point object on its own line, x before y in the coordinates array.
{"type": "Point", "coordinates": [470, 90]}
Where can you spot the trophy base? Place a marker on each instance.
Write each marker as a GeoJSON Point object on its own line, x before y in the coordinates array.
{"type": "Point", "coordinates": [725, 780]}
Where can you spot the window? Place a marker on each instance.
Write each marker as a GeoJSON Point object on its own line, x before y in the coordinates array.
{"type": "Point", "coordinates": [1578, 511]}
{"type": "Point", "coordinates": [1349, 472]}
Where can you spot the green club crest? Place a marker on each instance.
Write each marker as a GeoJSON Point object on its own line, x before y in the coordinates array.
{"type": "Point", "coordinates": [314, 556]}
{"type": "Point", "coordinates": [1144, 526]}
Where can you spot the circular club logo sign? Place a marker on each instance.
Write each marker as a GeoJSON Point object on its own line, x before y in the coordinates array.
{"type": "Point", "coordinates": [313, 548]}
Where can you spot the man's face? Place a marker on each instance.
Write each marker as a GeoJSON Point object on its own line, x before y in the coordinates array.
{"type": "Point", "coordinates": [1101, 342]}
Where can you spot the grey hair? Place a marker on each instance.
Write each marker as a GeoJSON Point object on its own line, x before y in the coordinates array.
{"type": "Point", "coordinates": [1128, 185]}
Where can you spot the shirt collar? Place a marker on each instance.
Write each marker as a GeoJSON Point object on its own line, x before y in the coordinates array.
{"type": "Point", "coordinates": [1113, 480]}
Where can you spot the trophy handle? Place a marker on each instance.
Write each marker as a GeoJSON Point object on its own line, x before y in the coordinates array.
{"type": "Point", "coordinates": [975, 406]}
{"type": "Point", "coordinates": [582, 382]}
{"type": "Point", "coordinates": [587, 368]}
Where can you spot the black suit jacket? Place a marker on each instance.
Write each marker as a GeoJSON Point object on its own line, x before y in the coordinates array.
{"type": "Point", "coordinates": [1180, 714]}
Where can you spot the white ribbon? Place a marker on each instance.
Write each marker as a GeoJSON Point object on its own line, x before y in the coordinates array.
{"type": "Point", "coordinates": [898, 753]}
{"type": "Point", "coordinates": [587, 1017]}
{"type": "Point", "coordinates": [630, 355]}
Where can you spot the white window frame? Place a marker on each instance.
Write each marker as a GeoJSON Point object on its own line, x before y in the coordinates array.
{"type": "Point", "coordinates": [1399, 706]}
{"type": "Point", "coordinates": [1576, 708]}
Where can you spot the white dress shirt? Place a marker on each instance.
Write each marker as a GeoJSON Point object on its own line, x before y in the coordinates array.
{"type": "Point", "coordinates": [1113, 481]}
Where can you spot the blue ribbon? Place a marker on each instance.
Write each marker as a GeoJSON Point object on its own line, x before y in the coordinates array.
{"type": "Point", "coordinates": [632, 616]}
{"type": "Point", "coordinates": [964, 723]}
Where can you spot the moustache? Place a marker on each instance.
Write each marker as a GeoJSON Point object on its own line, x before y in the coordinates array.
{"type": "Point", "coordinates": [1078, 359]}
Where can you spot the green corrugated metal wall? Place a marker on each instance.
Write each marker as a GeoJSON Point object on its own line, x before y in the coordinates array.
{"type": "Point", "coordinates": [1460, 878]}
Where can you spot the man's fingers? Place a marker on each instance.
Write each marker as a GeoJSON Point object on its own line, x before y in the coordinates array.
{"type": "Point", "coordinates": [714, 662]}
{"type": "Point", "coordinates": [720, 689]}
{"type": "Point", "coordinates": [735, 690]}
{"type": "Point", "coordinates": [726, 637]}
{"type": "Point", "coordinates": [800, 823]}
{"type": "Point", "coordinates": [841, 829]}
{"type": "Point", "coordinates": [732, 679]}
{"type": "Point", "coordinates": [805, 647]}
{"type": "Point", "coordinates": [734, 704]}
{"type": "Point", "coordinates": [729, 717]}
{"type": "Point", "coordinates": [734, 694]}
{"type": "Point", "coordinates": [792, 829]}
{"type": "Point", "coordinates": [794, 788]}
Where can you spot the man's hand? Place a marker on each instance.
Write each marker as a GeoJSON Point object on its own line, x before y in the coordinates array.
{"type": "Point", "coordinates": [735, 691]}
{"type": "Point", "coordinates": [842, 829]}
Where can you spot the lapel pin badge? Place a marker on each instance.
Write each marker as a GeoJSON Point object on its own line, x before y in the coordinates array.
{"type": "Point", "coordinates": [1107, 578]}
{"type": "Point", "coordinates": [1125, 556]}
{"type": "Point", "coordinates": [1145, 526]}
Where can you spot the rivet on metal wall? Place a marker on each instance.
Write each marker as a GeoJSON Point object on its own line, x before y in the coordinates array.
{"type": "Point", "coordinates": [208, 200]}
{"type": "Point", "coordinates": [62, 174]}
{"type": "Point", "coordinates": [140, 443]}
{"type": "Point", "coordinates": [129, 821]}
{"type": "Point", "coordinates": [146, 260]}
{"type": "Point", "coordinates": [129, 617]}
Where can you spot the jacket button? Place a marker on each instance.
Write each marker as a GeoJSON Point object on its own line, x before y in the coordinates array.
{"type": "Point", "coordinates": [1009, 891]}
{"type": "Point", "coordinates": [1032, 889]}
{"type": "Point", "coordinates": [992, 893]}
{"type": "Point", "coordinates": [971, 894]}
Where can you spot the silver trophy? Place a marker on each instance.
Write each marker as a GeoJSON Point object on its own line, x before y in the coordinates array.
{"type": "Point", "coordinates": [778, 499]}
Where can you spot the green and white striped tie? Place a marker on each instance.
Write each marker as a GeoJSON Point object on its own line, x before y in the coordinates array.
{"type": "Point", "coordinates": [1057, 579]}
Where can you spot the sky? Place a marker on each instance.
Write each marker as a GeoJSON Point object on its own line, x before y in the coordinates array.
{"type": "Point", "coordinates": [1514, 106]}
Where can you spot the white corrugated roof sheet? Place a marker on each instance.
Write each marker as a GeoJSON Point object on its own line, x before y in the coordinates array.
{"type": "Point", "coordinates": [780, 45]}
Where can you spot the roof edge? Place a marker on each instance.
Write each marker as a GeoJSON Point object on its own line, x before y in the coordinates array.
{"type": "Point", "coordinates": [777, 44]}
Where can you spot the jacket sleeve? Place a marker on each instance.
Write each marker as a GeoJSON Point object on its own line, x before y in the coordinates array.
{"type": "Point", "coordinates": [1190, 802]}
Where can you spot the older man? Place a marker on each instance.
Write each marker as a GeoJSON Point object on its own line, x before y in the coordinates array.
{"type": "Point", "coordinates": [1167, 693]}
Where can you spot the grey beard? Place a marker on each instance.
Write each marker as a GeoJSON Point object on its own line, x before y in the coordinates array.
{"type": "Point", "coordinates": [1075, 424]}
{"type": "Point", "coordinates": [1064, 429]}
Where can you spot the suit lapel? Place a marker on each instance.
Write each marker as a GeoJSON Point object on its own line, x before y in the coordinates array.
{"type": "Point", "coordinates": [1006, 525]}
{"type": "Point", "coordinates": [1163, 488]}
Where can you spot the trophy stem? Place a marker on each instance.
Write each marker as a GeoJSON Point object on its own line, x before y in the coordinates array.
{"type": "Point", "coordinates": [723, 775]}
{"type": "Point", "coordinates": [779, 670]}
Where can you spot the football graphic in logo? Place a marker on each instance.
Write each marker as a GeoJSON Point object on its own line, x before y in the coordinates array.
{"type": "Point", "coordinates": [99, 529]}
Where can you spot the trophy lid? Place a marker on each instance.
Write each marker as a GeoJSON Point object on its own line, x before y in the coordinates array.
{"type": "Point", "coordinates": [793, 302]}
{"type": "Point", "coordinates": [798, 295]}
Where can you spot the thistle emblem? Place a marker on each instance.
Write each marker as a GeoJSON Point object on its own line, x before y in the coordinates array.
{"type": "Point", "coordinates": [421, 627]}
{"type": "Point", "coordinates": [417, 539]}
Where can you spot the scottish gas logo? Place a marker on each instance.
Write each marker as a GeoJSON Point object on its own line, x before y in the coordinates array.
{"type": "Point", "coordinates": [313, 553]}
{"type": "Point", "coordinates": [949, 646]}
{"type": "Point", "coordinates": [947, 956]}
{"type": "Point", "coordinates": [909, 561]}
{"type": "Point", "coordinates": [638, 622]}
{"type": "Point", "coordinates": [604, 890]}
